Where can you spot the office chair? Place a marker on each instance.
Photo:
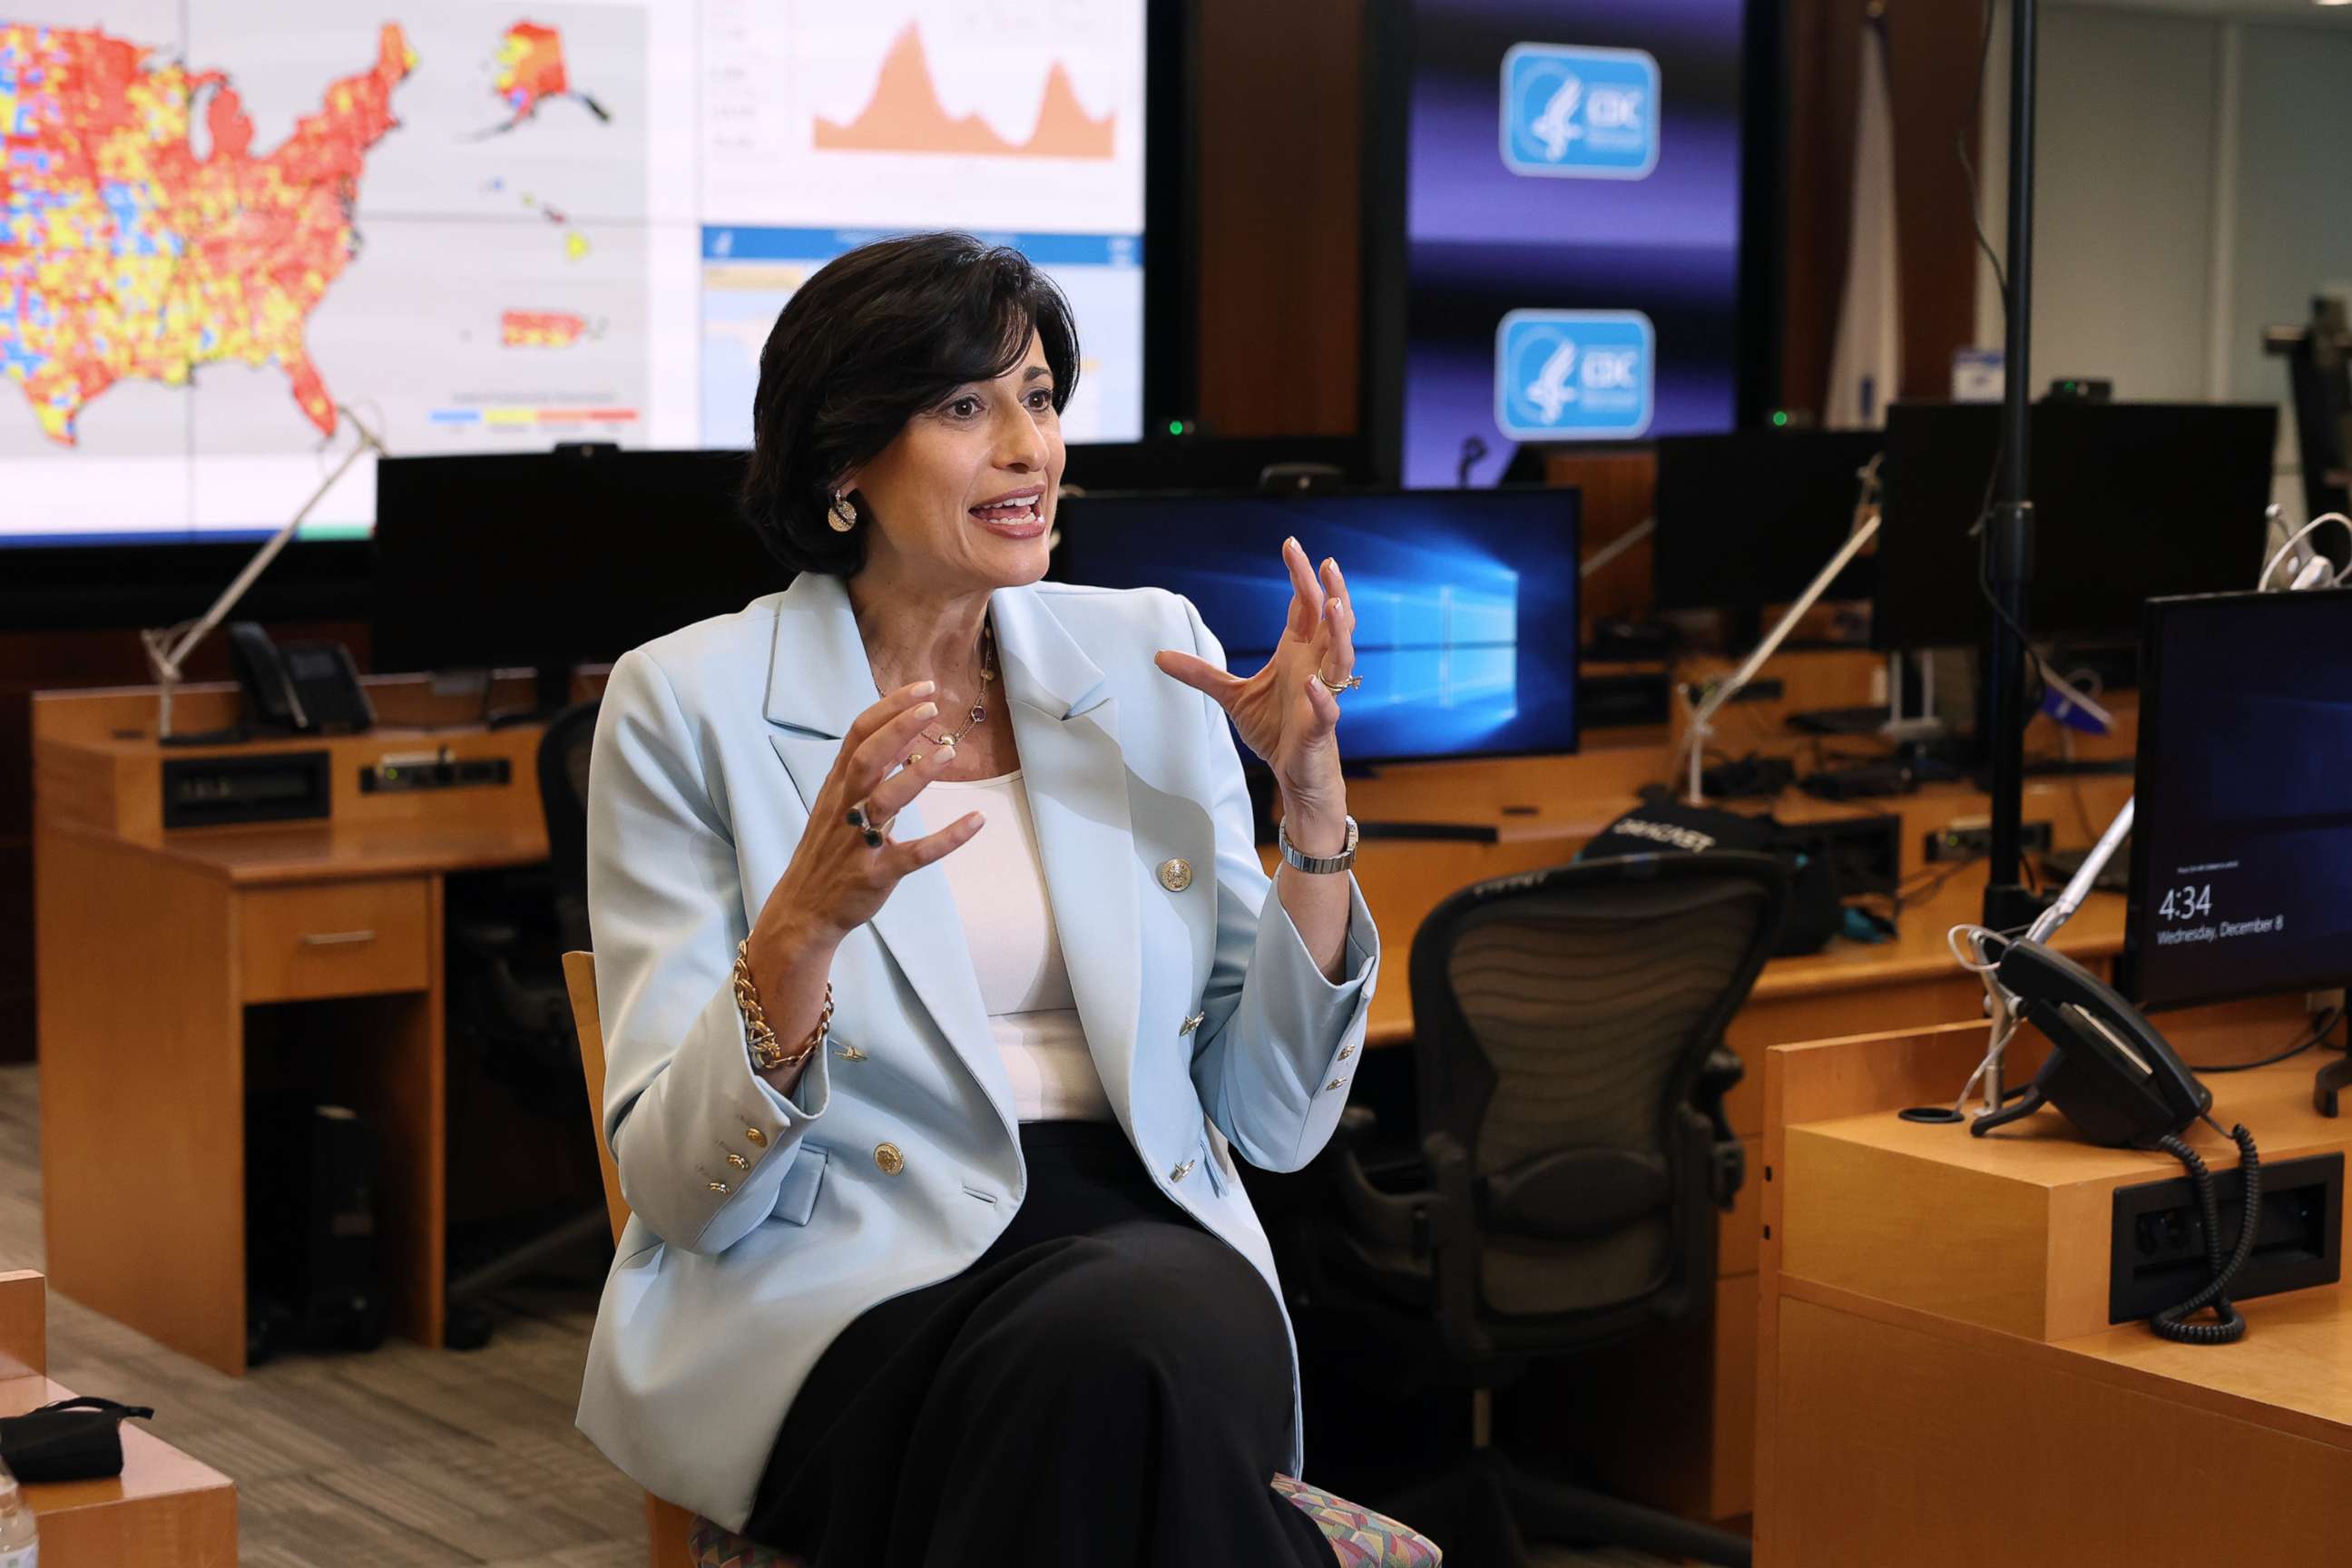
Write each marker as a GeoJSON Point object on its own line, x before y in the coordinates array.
{"type": "Point", "coordinates": [1574, 1151]}
{"type": "Point", "coordinates": [507, 994]}
{"type": "Point", "coordinates": [677, 1538]}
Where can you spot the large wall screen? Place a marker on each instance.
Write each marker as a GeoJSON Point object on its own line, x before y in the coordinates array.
{"type": "Point", "coordinates": [488, 228]}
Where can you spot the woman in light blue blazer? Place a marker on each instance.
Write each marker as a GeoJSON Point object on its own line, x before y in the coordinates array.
{"type": "Point", "coordinates": [941, 985]}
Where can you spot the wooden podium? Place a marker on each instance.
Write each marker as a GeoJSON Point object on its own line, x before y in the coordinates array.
{"type": "Point", "coordinates": [1940, 1384]}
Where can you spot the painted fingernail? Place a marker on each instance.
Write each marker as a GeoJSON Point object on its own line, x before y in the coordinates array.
{"type": "Point", "coordinates": [925, 688]}
{"type": "Point", "coordinates": [943, 756]}
{"type": "Point", "coordinates": [929, 709]}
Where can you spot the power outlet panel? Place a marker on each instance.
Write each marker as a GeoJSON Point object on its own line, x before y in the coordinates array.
{"type": "Point", "coordinates": [2157, 1253]}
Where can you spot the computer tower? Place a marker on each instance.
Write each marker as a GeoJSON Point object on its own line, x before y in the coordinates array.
{"type": "Point", "coordinates": [312, 1271]}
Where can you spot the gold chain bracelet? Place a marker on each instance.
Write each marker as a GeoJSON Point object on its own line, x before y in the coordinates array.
{"type": "Point", "coordinates": [767, 1054]}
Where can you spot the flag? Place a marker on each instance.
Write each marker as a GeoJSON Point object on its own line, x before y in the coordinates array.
{"type": "Point", "coordinates": [1866, 356]}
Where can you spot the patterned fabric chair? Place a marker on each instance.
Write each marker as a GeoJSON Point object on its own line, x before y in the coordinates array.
{"type": "Point", "coordinates": [1358, 1537]}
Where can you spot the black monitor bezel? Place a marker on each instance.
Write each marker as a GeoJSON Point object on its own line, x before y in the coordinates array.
{"type": "Point", "coordinates": [1573, 499]}
{"type": "Point", "coordinates": [1740, 443]}
{"type": "Point", "coordinates": [2147, 794]}
{"type": "Point", "coordinates": [1887, 635]}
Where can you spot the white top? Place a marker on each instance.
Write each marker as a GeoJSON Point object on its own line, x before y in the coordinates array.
{"type": "Point", "coordinates": [998, 883]}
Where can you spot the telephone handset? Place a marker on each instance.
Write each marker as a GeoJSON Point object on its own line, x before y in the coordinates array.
{"type": "Point", "coordinates": [307, 687]}
{"type": "Point", "coordinates": [2109, 1072]}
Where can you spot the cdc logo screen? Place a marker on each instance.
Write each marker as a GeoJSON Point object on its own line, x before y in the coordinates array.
{"type": "Point", "coordinates": [1575, 374]}
{"type": "Point", "coordinates": [1579, 113]}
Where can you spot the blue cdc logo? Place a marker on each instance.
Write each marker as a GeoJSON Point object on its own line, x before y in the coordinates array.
{"type": "Point", "coordinates": [1575, 374]}
{"type": "Point", "coordinates": [1579, 113]}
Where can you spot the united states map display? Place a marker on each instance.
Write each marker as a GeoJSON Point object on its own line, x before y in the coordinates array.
{"type": "Point", "coordinates": [128, 252]}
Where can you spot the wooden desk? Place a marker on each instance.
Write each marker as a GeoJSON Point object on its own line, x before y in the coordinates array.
{"type": "Point", "coordinates": [1946, 1391]}
{"type": "Point", "coordinates": [179, 970]}
{"type": "Point", "coordinates": [164, 1510]}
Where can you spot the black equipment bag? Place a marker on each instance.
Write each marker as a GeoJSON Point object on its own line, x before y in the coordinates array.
{"type": "Point", "coordinates": [72, 1440]}
{"type": "Point", "coordinates": [1663, 824]}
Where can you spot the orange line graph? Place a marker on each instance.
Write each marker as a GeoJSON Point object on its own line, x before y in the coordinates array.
{"type": "Point", "coordinates": [905, 115]}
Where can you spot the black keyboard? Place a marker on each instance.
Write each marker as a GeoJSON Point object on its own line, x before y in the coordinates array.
{"type": "Point", "coordinates": [2089, 767]}
{"type": "Point", "coordinates": [1840, 720]}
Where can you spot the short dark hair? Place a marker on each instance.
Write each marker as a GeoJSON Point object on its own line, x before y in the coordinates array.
{"type": "Point", "coordinates": [876, 337]}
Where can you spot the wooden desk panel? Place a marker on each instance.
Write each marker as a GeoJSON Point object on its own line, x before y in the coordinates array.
{"type": "Point", "coordinates": [24, 1323]}
{"type": "Point", "coordinates": [1900, 1443]}
{"type": "Point", "coordinates": [143, 1095]}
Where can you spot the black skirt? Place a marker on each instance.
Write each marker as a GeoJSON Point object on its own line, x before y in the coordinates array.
{"type": "Point", "coordinates": [1110, 1384]}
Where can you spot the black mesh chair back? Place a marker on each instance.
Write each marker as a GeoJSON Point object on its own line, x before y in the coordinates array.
{"type": "Point", "coordinates": [1564, 1021]}
{"type": "Point", "coordinates": [563, 753]}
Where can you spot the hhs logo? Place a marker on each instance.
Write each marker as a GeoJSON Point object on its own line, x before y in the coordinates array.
{"type": "Point", "coordinates": [1580, 113]}
{"type": "Point", "coordinates": [1574, 375]}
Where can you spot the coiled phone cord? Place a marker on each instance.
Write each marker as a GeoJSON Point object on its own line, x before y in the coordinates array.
{"type": "Point", "coordinates": [2172, 1322]}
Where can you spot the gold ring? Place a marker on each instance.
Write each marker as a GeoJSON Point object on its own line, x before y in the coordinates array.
{"type": "Point", "coordinates": [1339, 687]}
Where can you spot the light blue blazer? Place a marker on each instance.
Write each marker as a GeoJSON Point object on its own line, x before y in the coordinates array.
{"type": "Point", "coordinates": [763, 1225]}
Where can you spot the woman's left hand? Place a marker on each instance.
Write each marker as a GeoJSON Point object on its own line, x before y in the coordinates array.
{"type": "Point", "coordinates": [1286, 712]}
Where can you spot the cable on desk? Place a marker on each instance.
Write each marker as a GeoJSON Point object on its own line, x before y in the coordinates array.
{"type": "Point", "coordinates": [1922, 886]}
{"type": "Point", "coordinates": [2317, 1037]}
{"type": "Point", "coordinates": [2172, 1323]}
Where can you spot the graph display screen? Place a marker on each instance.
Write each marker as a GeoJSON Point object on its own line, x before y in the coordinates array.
{"type": "Point", "coordinates": [1465, 601]}
{"type": "Point", "coordinates": [2242, 840]}
{"type": "Point", "coordinates": [484, 229]}
{"type": "Point", "coordinates": [1571, 223]}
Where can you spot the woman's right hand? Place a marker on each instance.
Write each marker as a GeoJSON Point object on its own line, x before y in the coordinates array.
{"type": "Point", "coordinates": [835, 882]}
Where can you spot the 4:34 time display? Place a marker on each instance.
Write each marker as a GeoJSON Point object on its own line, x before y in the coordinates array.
{"type": "Point", "coordinates": [2187, 903]}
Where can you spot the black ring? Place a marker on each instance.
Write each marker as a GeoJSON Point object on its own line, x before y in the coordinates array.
{"type": "Point", "coordinates": [874, 838]}
{"type": "Point", "coordinates": [856, 817]}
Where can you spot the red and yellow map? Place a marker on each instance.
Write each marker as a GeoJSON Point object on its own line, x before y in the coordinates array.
{"type": "Point", "coordinates": [540, 328]}
{"type": "Point", "coordinates": [529, 68]}
{"type": "Point", "coordinates": [125, 255]}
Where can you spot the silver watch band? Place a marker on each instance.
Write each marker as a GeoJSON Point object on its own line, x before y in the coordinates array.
{"type": "Point", "coordinates": [1321, 865]}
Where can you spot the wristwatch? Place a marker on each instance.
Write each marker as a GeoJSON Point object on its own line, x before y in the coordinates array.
{"type": "Point", "coordinates": [1320, 864]}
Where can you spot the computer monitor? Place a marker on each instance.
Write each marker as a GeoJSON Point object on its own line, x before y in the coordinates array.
{"type": "Point", "coordinates": [1465, 601]}
{"type": "Point", "coordinates": [2131, 501]}
{"type": "Point", "coordinates": [2242, 843]}
{"type": "Point", "coordinates": [553, 559]}
{"type": "Point", "coordinates": [1749, 520]}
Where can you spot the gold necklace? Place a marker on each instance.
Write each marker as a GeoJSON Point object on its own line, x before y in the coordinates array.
{"type": "Point", "coordinates": [978, 713]}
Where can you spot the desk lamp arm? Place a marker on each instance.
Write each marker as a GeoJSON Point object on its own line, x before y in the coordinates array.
{"type": "Point", "coordinates": [168, 647]}
{"type": "Point", "coordinates": [1702, 718]}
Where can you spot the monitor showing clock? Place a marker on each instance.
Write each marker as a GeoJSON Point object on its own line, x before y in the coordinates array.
{"type": "Point", "coordinates": [2242, 843]}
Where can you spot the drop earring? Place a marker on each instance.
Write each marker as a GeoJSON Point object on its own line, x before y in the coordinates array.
{"type": "Point", "coordinates": [841, 516]}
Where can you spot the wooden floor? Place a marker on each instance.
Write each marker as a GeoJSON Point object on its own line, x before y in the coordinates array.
{"type": "Point", "coordinates": [403, 1457]}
